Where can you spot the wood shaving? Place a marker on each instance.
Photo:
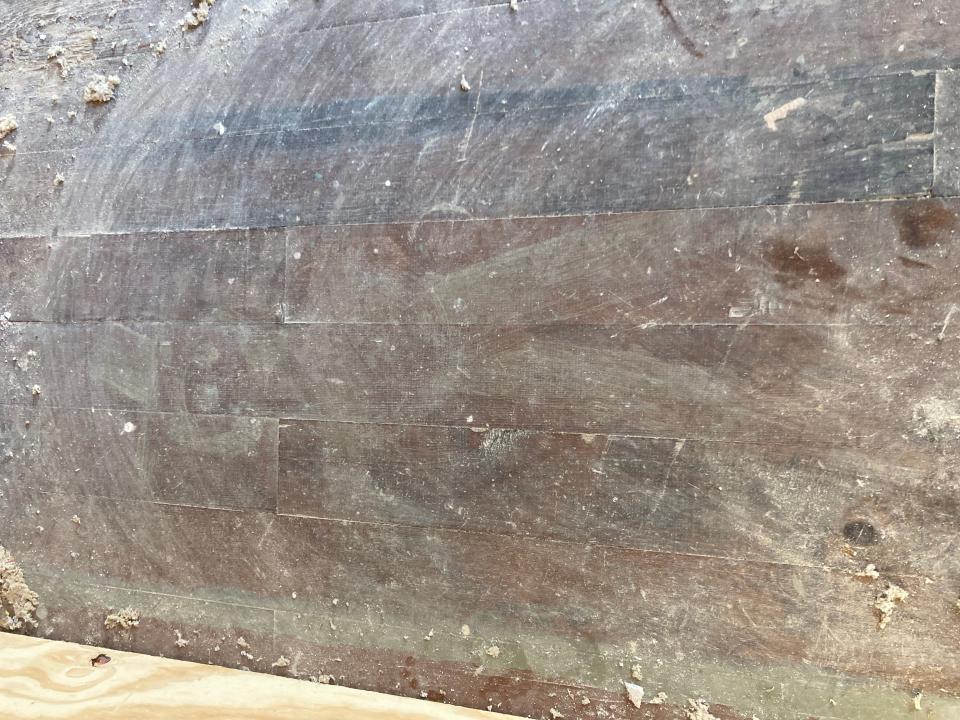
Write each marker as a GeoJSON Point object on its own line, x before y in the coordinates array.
{"type": "Point", "coordinates": [634, 694]}
{"type": "Point", "coordinates": [281, 662]}
{"type": "Point", "coordinates": [887, 601]}
{"type": "Point", "coordinates": [58, 179]}
{"type": "Point", "coordinates": [699, 710]}
{"type": "Point", "coordinates": [8, 123]}
{"type": "Point", "coordinates": [125, 619]}
{"type": "Point", "coordinates": [917, 699]}
{"type": "Point", "coordinates": [181, 642]}
{"type": "Point", "coordinates": [465, 630]}
{"type": "Point", "coordinates": [465, 86]}
{"type": "Point", "coordinates": [242, 643]}
{"type": "Point", "coordinates": [17, 601]}
{"type": "Point", "coordinates": [101, 88]}
{"type": "Point", "coordinates": [493, 651]}
{"type": "Point", "coordinates": [159, 47]}
{"type": "Point", "coordinates": [636, 672]}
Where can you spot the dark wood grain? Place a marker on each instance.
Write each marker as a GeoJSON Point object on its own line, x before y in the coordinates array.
{"type": "Point", "coordinates": [229, 275]}
{"type": "Point", "coordinates": [771, 502]}
{"type": "Point", "coordinates": [883, 262]}
{"type": "Point", "coordinates": [197, 460]}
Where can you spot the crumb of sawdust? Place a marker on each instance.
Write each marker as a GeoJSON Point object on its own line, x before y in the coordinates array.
{"type": "Point", "coordinates": [634, 694]}
{"type": "Point", "coordinates": [493, 651]}
{"type": "Point", "coordinates": [555, 714]}
{"type": "Point", "coordinates": [465, 86]}
{"type": "Point", "coordinates": [659, 699]}
{"type": "Point", "coordinates": [54, 51]}
{"type": "Point", "coordinates": [8, 123]}
{"type": "Point", "coordinates": [698, 710]}
{"type": "Point", "coordinates": [636, 672]}
{"type": "Point", "coordinates": [197, 16]}
{"type": "Point", "coordinates": [35, 390]}
{"type": "Point", "coordinates": [887, 601]}
{"type": "Point", "coordinates": [76, 519]}
{"type": "Point", "coordinates": [465, 630]}
{"type": "Point", "coordinates": [242, 643]}
{"type": "Point", "coordinates": [281, 662]}
{"type": "Point", "coordinates": [17, 601]}
{"type": "Point", "coordinates": [585, 701]}
{"type": "Point", "coordinates": [159, 47]}
{"type": "Point", "coordinates": [181, 641]}
{"type": "Point", "coordinates": [101, 88]}
{"type": "Point", "coordinates": [917, 699]}
{"type": "Point", "coordinates": [125, 619]}
{"type": "Point", "coordinates": [58, 179]}
{"type": "Point", "coordinates": [870, 571]}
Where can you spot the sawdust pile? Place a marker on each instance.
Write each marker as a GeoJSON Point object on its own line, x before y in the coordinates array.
{"type": "Point", "coordinates": [125, 619]}
{"type": "Point", "coordinates": [18, 601]}
{"type": "Point", "coordinates": [8, 123]}
{"type": "Point", "coordinates": [100, 89]}
{"type": "Point", "coordinates": [887, 601]}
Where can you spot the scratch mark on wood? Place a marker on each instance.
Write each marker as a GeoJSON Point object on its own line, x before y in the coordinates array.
{"type": "Point", "coordinates": [682, 37]}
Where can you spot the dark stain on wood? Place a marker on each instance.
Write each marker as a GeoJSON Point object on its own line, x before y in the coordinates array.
{"type": "Point", "coordinates": [795, 265]}
{"type": "Point", "coordinates": [922, 227]}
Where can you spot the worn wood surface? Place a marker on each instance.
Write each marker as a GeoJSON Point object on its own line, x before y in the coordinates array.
{"type": "Point", "coordinates": [49, 679]}
{"type": "Point", "coordinates": [635, 353]}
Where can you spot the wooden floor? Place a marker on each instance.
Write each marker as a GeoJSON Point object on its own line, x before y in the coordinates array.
{"type": "Point", "coordinates": [49, 680]}
{"type": "Point", "coordinates": [623, 363]}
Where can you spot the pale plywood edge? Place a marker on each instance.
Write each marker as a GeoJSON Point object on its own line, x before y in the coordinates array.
{"type": "Point", "coordinates": [53, 680]}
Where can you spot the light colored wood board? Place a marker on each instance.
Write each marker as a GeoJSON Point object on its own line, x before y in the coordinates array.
{"type": "Point", "coordinates": [51, 680]}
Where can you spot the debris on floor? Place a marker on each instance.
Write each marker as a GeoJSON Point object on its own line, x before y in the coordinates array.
{"type": "Point", "coordinates": [870, 571]}
{"type": "Point", "coordinates": [197, 16]}
{"type": "Point", "coordinates": [917, 699]}
{"type": "Point", "coordinates": [181, 642]}
{"type": "Point", "coordinates": [281, 662]}
{"type": "Point", "coordinates": [887, 601]}
{"type": "Point", "coordinates": [100, 659]}
{"type": "Point", "coordinates": [634, 693]}
{"type": "Point", "coordinates": [125, 619]}
{"type": "Point", "coordinates": [58, 180]}
{"type": "Point", "coordinates": [636, 672]}
{"type": "Point", "coordinates": [8, 123]}
{"type": "Point", "coordinates": [493, 651]}
{"type": "Point", "coordinates": [18, 602]}
{"type": "Point", "coordinates": [465, 86]}
{"type": "Point", "coordinates": [100, 89]}
{"type": "Point", "coordinates": [699, 710]}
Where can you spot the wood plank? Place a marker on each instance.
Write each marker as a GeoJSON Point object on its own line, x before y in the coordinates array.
{"type": "Point", "coordinates": [770, 502]}
{"type": "Point", "coordinates": [79, 365]}
{"type": "Point", "coordinates": [868, 262]}
{"type": "Point", "coordinates": [749, 383]}
{"type": "Point", "coordinates": [527, 594]}
{"type": "Point", "coordinates": [224, 462]}
{"type": "Point", "coordinates": [230, 275]}
{"type": "Point", "coordinates": [696, 157]}
{"type": "Point", "coordinates": [48, 679]}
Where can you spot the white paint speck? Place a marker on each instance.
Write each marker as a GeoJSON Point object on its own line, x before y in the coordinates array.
{"type": "Point", "coordinates": [128, 427]}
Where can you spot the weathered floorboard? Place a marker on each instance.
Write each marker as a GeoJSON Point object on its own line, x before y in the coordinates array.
{"type": "Point", "coordinates": [882, 262]}
{"type": "Point", "coordinates": [230, 275]}
{"type": "Point", "coordinates": [770, 502]}
{"type": "Point", "coordinates": [224, 462]}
